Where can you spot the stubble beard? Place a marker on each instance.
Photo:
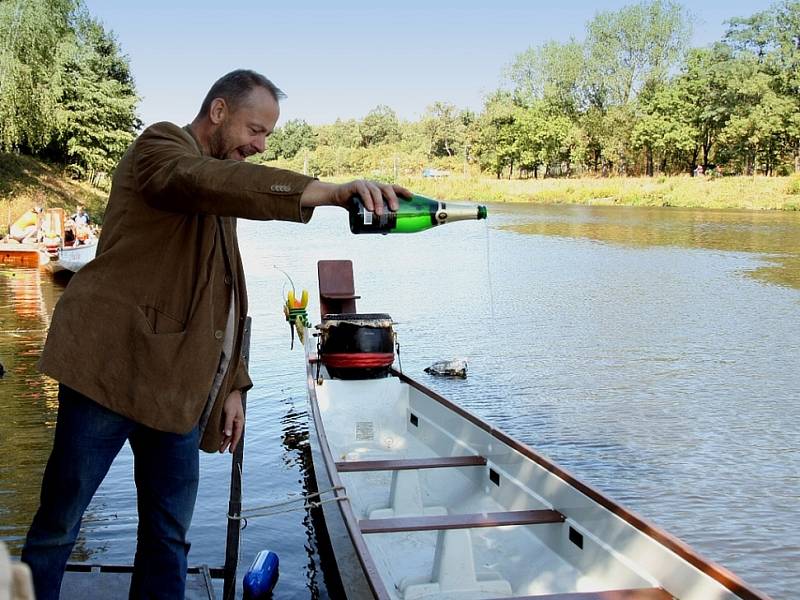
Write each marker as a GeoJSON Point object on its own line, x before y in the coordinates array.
{"type": "Point", "coordinates": [218, 143]}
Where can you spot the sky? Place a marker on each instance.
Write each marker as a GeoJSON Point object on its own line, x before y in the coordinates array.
{"type": "Point", "coordinates": [343, 58]}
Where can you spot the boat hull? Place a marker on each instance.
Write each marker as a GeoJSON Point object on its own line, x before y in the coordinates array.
{"type": "Point", "coordinates": [22, 255]}
{"type": "Point", "coordinates": [594, 547]}
{"type": "Point", "coordinates": [72, 259]}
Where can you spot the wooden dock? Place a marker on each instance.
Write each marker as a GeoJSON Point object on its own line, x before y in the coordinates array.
{"type": "Point", "coordinates": [111, 582]}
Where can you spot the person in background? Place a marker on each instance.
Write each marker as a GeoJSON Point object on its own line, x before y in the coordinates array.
{"type": "Point", "coordinates": [81, 217]}
{"type": "Point", "coordinates": [26, 228]}
{"type": "Point", "coordinates": [161, 364]}
{"type": "Point", "coordinates": [82, 230]}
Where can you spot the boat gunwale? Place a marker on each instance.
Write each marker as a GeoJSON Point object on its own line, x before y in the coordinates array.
{"type": "Point", "coordinates": [717, 572]}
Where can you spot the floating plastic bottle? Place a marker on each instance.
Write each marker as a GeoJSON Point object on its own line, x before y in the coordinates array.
{"type": "Point", "coordinates": [417, 213]}
{"type": "Point", "coordinates": [261, 577]}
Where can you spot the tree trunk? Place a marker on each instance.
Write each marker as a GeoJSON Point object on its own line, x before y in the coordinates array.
{"type": "Point", "coordinates": [706, 152]}
{"type": "Point", "coordinates": [797, 158]}
{"type": "Point", "coordinates": [649, 161]}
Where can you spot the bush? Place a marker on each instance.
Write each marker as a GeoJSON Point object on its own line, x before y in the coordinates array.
{"type": "Point", "coordinates": [793, 187]}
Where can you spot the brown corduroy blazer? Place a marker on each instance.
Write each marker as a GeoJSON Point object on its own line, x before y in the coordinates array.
{"type": "Point", "coordinates": [139, 329]}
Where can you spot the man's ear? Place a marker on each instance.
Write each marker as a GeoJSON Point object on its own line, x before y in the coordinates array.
{"type": "Point", "coordinates": [218, 111]}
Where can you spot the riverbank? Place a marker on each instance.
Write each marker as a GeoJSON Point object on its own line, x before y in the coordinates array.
{"type": "Point", "coordinates": [748, 193]}
{"type": "Point", "coordinates": [27, 182]}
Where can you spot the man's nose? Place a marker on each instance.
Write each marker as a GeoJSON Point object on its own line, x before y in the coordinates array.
{"type": "Point", "coordinates": [260, 143]}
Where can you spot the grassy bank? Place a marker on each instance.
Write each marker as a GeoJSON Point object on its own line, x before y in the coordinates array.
{"type": "Point", "coordinates": [751, 193]}
{"type": "Point", "coordinates": [27, 182]}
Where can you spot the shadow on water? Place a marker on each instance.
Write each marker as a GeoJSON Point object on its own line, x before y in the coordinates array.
{"type": "Point", "coordinates": [321, 560]}
{"type": "Point", "coordinates": [774, 235]}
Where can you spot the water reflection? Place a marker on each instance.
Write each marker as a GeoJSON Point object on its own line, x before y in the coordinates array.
{"type": "Point", "coordinates": [318, 549]}
{"type": "Point", "coordinates": [774, 234]}
{"type": "Point", "coordinates": [27, 398]}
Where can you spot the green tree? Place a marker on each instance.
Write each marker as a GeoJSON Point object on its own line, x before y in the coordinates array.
{"type": "Point", "coordinates": [380, 126]}
{"type": "Point", "coordinates": [496, 146]}
{"type": "Point", "coordinates": [764, 127]}
{"type": "Point", "coordinates": [772, 39]}
{"type": "Point", "coordinates": [444, 129]}
{"type": "Point", "coordinates": [35, 40]}
{"type": "Point", "coordinates": [288, 140]}
{"type": "Point", "coordinates": [553, 72]}
{"type": "Point", "coordinates": [665, 127]}
{"type": "Point", "coordinates": [632, 48]}
{"type": "Point", "coordinates": [98, 104]}
{"type": "Point", "coordinates": [345, 134]}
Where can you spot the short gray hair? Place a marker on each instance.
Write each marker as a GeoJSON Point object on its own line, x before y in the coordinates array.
{"type": "Point", "coordinates": [235, 86]}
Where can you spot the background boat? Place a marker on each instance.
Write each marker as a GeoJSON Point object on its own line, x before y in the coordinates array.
{"type": "Point", "coordinates": [71, 258]}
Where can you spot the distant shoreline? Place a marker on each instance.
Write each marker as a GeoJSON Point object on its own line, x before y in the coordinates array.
{"type": "Point", "coordinates": [27, 181]}
{"type": "Point", "coordinates": [735, 192]}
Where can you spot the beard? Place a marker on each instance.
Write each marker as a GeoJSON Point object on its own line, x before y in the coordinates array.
{"type": "Point", "coordinates": [218, 144]}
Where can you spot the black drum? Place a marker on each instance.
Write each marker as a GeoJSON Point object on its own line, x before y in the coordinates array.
{"type": "Point", "coordinates": [357, 346]}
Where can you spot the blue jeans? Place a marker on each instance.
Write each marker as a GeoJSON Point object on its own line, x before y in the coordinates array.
{"type": "Point", "coordinates": [166, 471]}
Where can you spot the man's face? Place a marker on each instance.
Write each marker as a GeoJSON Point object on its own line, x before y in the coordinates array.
{"type": "Point", "coordinates": [243, 131]}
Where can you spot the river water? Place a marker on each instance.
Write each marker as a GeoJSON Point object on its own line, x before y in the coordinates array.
{"type": "Point", "coordinates": [654, 353]}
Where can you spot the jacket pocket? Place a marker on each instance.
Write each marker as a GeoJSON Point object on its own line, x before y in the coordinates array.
{"type": "Point", "coordinates": [161, 322]}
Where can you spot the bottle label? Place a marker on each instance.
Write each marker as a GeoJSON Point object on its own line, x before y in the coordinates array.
{"type": "Point", "coordinates": [367, 217]}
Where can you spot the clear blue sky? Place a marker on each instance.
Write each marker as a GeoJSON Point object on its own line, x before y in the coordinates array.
{"type": "Point", "coordinates": [342, 58]}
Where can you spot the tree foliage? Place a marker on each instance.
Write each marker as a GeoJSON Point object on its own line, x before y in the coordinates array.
{"type": "Point", "coordinates": [631, 98]}
{"type": "Point", "coordinates": [35, 42]}
{"type": "Point", "coordinates": [66, 91]}
{"type": "Point", "coordinates": [290, 139]}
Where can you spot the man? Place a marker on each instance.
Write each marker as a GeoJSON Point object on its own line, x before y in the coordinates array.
{"type": "Point", "coordinates": [166, 297]}
{"type": "Point", "coordinates": [81, 217]}
{"type": "Point", "coordinates": [76, 229]}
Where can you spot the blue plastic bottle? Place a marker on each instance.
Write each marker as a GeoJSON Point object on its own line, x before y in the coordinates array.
{"type": "Point", "coordinates": [262, 576]}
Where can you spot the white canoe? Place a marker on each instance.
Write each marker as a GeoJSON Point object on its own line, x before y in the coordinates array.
{"type": "Point", "coordinates": [430, 501]}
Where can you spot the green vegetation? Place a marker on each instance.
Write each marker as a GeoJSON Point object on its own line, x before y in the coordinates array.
{"type": "Point", "coordinates": [752, 193]}
{"type": "Point", "coordinates": [631, 99]}
{"type": "Point", "coordinates": [624, 116]}
{"type": "Point", "coordinates": [27, 182]}
{"type": "Point", "coordinates": [66, 92]}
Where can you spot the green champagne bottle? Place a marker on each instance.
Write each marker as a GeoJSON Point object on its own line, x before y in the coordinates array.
{"type": "Point", "coordinates": [417, 213]}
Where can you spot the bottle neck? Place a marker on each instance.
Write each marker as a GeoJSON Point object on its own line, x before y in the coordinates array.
{"type": "Point", "coordinates": [449, 212]}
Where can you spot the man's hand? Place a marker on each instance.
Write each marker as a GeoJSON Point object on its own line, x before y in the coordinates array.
{"type": "Point", "coordinates": [233, 419]}
{"type": "Point", "coordinates": [372, 193]}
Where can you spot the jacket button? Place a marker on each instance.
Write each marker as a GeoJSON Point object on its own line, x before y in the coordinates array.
{"type": "Point", "coordinates": [218, 334]}
{"type": "Point", "coordinates": [228, 279]}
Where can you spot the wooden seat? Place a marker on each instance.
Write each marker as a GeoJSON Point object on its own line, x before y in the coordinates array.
{"type": "Point", "coordinates": [410, 463]}
{"type": "Point", "coordinates": [466, 521]}
{"type": "Point", "coordinates": [337, 293]}
{"type": "Point", "coordinates": [632, 594]}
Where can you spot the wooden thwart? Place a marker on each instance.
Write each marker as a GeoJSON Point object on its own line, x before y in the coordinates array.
{"type": "Point", "coordinates": [410, 463]}
{"type": "Point", "coordinates": [467, 521]}
{"type": "Point", "coordinates": [632, 594]}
